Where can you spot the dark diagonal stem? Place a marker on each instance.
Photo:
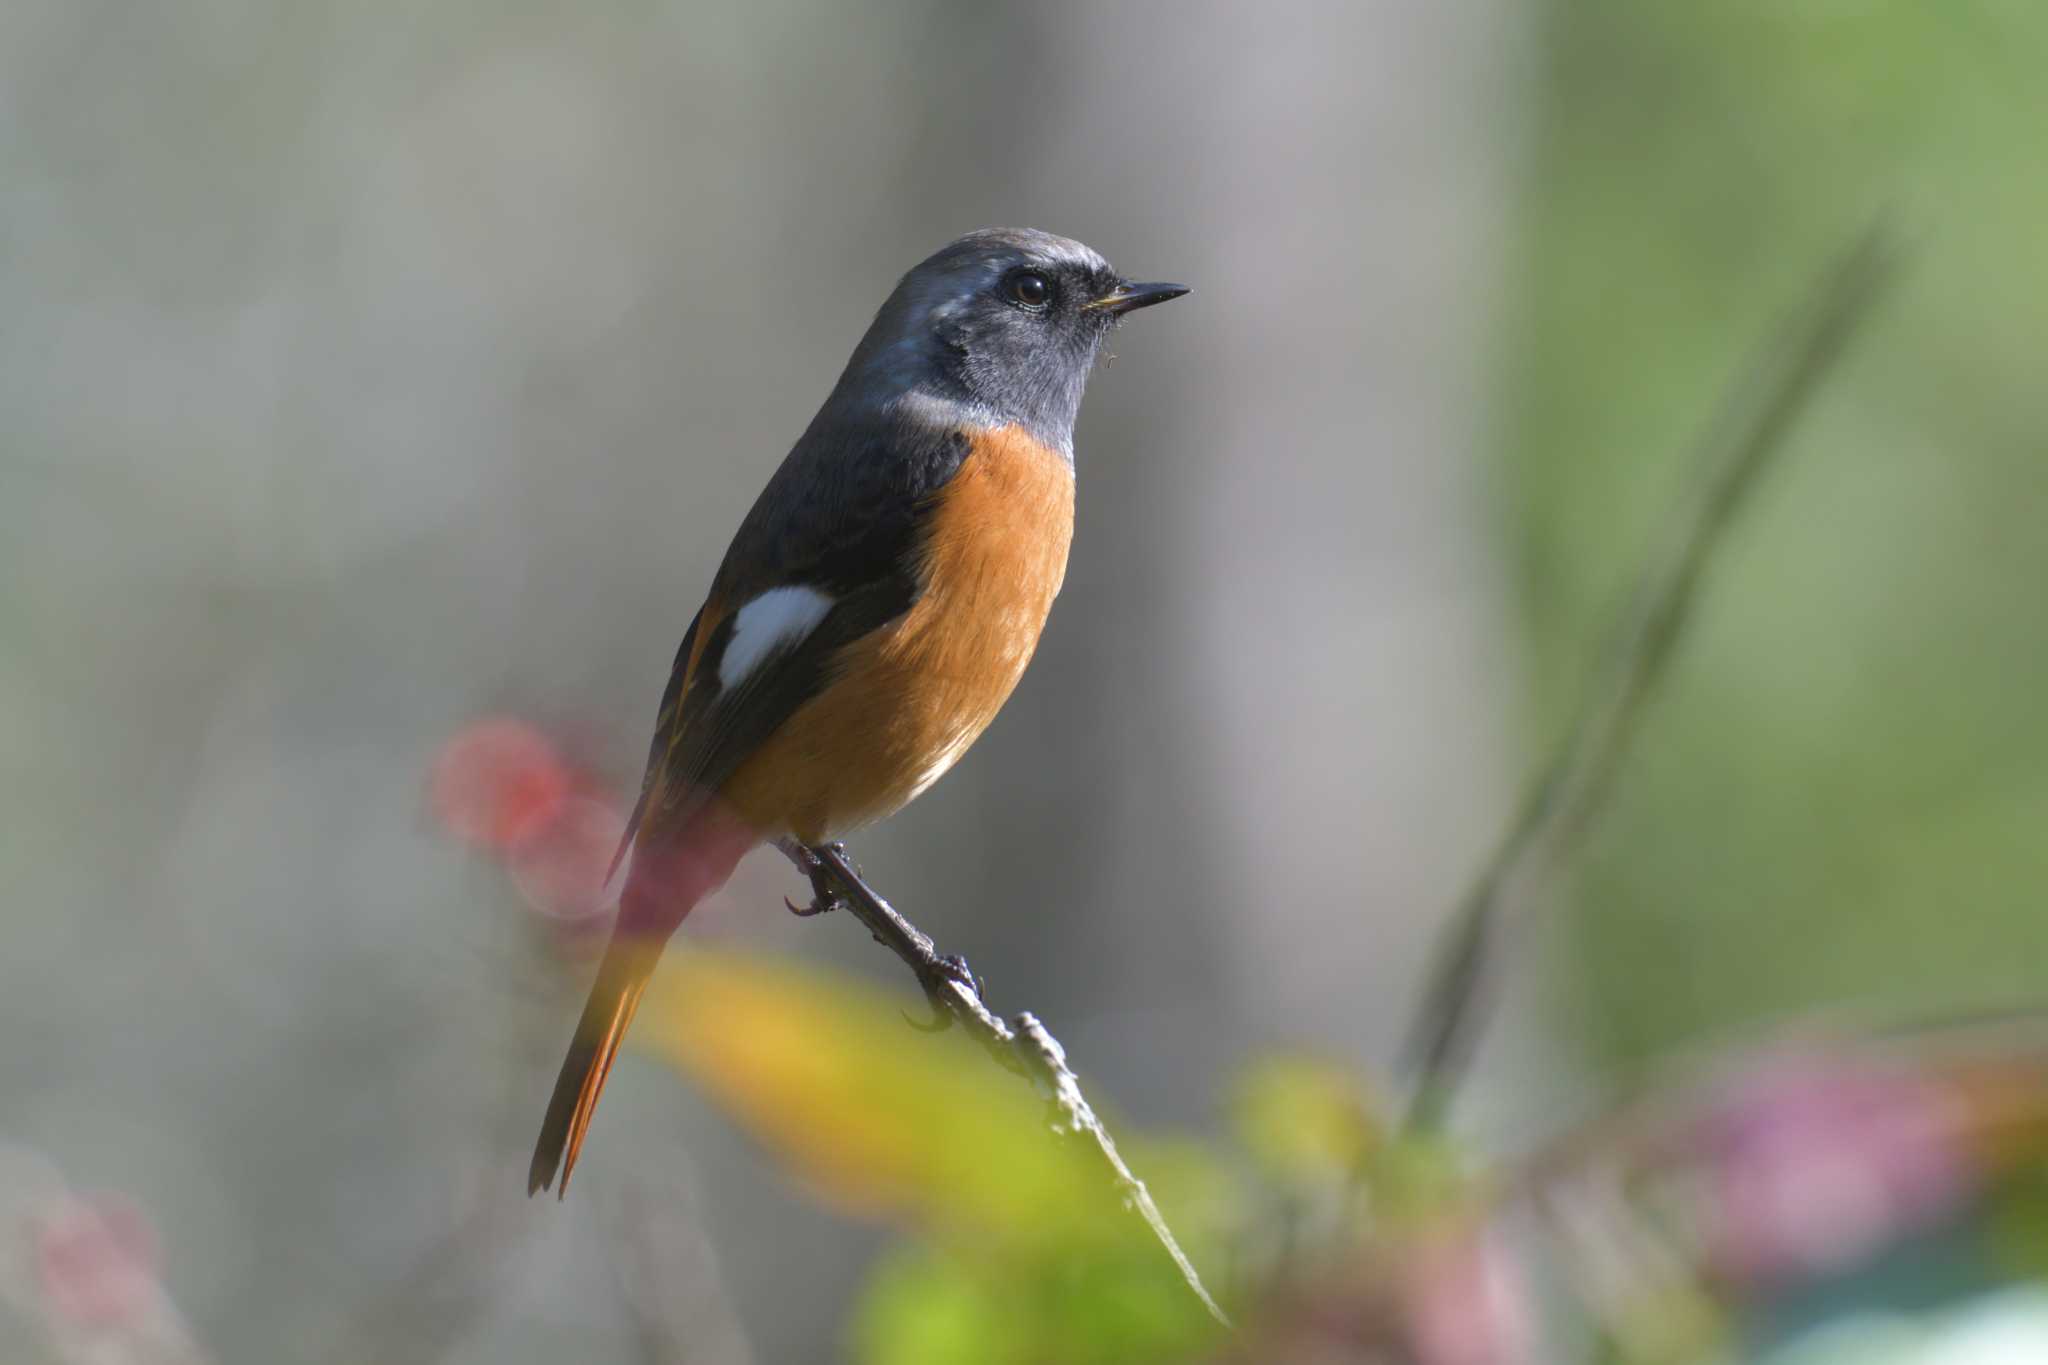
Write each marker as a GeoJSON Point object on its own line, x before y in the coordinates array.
{"type": "Point", "coordinates": [1749, 429]}
{"type": "Point", "coordinates": [1021, 1044]}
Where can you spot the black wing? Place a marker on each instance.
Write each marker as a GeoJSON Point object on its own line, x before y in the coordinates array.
{"type": "Point", "coordinates": [846, 517]}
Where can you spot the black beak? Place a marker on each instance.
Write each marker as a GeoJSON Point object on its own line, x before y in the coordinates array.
{"type": "Point", "coordinates": [1129, 298]}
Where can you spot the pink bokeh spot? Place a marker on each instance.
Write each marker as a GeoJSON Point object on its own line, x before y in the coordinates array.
{"type": "Point", "coordinates": [96, 1261]}
{"type": "Point", "coordinates": [497, 782]}
{"type": "Point", "coordinates": [560, 867]}
{"type": "Point", "coordinates": [1467, 1304]}
{"type": "Point", "coordinates": [1812, 1166]}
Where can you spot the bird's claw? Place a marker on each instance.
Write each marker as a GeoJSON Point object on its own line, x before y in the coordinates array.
{"type": "Point", "coordinates": [952, 969]}
{"type": "Point", "coordinates": [825, 893]}
{"type": "Point", "coordinates": [941, 1020]}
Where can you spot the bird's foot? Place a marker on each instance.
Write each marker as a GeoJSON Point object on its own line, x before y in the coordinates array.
{"type": "Point", "coordinates": [820, 905]}
{"type": "Point", "coordinates": [826, 895]}
{"type": "Point", "coordinates": [952, 969]}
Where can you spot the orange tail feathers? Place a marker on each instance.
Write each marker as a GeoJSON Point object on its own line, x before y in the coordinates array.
{"type": "Point", "coordinates": [621, 981]}
{"type": "Point", "coordinates": [664, 885]}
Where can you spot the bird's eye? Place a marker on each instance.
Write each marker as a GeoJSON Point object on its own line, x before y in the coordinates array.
{"type": "Point", "coordinates": [1028, 289]}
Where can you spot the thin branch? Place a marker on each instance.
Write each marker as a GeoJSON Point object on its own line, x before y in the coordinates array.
{"type": "Point", "coordinates": [1022, 1044]}
{"type": "Point", "coordinates": [1750, 428]}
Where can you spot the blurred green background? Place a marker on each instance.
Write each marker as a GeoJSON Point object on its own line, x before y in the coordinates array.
{"type": "Point", "coordinates": [1842, 798]}
{"type": "Point", "coordinates": [369, 369]}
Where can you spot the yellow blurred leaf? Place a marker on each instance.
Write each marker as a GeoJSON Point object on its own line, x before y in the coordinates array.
{"type": "Point", "coordinates": [1305, 1118]}
{"type": "Point", "coordinates": [880, 1119]}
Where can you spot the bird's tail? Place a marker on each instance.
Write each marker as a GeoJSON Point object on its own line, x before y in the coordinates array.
{"type": "Point", "coordinates": [614, 997]}
{"type": "Point", "coordinates": [663, 886]}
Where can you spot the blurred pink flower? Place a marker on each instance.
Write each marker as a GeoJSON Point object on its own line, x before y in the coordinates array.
{"type": "Point", "coordinates": [498, 781]}
{"type": "Point", "coordinates": [502, 785]}
{"type": "Point", "coordinates": [1467, 1303]}
{"type": "Point", "coordinates": [1812, 1165]}
{"type": "Point", "coordinates": [96, 1261]}
{"type": "Point", "coordinates": [560, 867]}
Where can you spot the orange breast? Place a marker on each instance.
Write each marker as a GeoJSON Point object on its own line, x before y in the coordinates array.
{"type": "Point", "coordinates": [909, 699]}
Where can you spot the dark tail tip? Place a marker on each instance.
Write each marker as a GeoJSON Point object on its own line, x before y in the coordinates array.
{"type": "Point", "coordinates": [554, 1129]}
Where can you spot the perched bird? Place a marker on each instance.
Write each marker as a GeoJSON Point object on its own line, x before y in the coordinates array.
{"type": "Point", "coordinates": [876, 607]}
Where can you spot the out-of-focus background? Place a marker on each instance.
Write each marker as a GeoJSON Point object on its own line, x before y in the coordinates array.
{"type": "Point", "coordinates": [368, 371]}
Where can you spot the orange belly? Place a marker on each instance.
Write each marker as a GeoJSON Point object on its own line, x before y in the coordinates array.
{"type": "Point", "coordinates": [908, 700]}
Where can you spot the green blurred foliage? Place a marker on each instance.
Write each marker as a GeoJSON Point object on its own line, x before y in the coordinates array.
{"type": "Point", "coordinates": [1022, 1248]}
{"type": "Point", "coordinates": [1082, 1305]}
{"type": "Point", "coordinates": [1334, 1237]}
{"type": "Point", "coordinates": [1681, 1326]}
{"type": "Point", "coordinates": [1029, 1253]}
{"type": "Point", "coordinates": [872, 1115]}
{"type": "Point", "coordinates": [2017, 1230]}
{"type": "Point", "coordinates": [1842, 794]}
{"type": "Point", "coordinates": [1305, 1118]}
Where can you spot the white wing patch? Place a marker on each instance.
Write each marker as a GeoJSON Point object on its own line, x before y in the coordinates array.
{"type": "Point", "coordinates": [775, 620]}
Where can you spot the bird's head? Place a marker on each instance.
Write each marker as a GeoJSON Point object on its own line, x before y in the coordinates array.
{"type": "Point", "coordinates": [1005, 321]}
